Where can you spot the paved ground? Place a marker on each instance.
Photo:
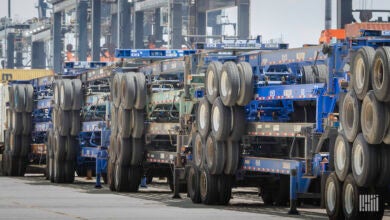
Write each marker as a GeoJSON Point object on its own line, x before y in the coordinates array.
{"type": "Point", "coordinates": [35, 198]}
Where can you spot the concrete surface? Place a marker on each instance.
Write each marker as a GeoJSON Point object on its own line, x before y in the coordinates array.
{"type": "Point", "coordinates": [34, 197]}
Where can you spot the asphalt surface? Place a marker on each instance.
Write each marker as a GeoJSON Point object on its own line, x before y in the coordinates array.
{"type": "Point", "coordinates": [34, 197]}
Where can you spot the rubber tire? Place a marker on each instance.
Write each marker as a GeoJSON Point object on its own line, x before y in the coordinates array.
{"type": "Point", "coordinates": [127, 91]}
{"type": "Point", "coordinates": [59, 147]}
{"type": "Point", "coordinates": [124, 122]}
{"type": "Point", "coordinates": [51, 170]}
{"type": "Point", "coordinates": [27, 123]}
{"type": "Point", "coordinates": [112, 150]}
{"type": "Point", "coordinates": [114, 120]}
{"type": "Point", "coordinates": [121, 178]}
{"type": "Point", "coordinates": [9, 119]}
{"type": "Point", "coordinates": [384, 166]}
{"type": "Point", "coordinates": [198, 146]}
{"type": "Point", "coordinates": [48, 152]}
{"type": "Point", "coordinates": [245, 94]}
{"type": "Point", "coordinates": [342, 146]}
{"type": "Point", "coordinates": [71, 146]}
{"type": "Point", "coordinates": [22, 166]}
{"type": "Point", "coordinates": [208, 185]}
{"type": "Point", "coordinates": [372, 117]}
{"type": "Point", "coordinates": [193, 188]}
{"type": "Point", "coordinates": [25, 145]}
{"type": "Point", "coordinates": [66, 95]}
{"type": "Point", "coordinates": [203, 117]}
{"type": "Point", "coordinates": [229, 84]}
{"type": "Point", "coordinates": [369, 168]}
{"type": "Point", "coordinates": [11, 97]}
{"type": "Point", "coordinates": [140, 100]}
{"type": "Point", "coordinates": [64, 122]}
{"type": "Point", "coordinates": [77, 94]}
{"type": "Point", "coordinates": [137, 123]}
{"type": "Point", "coordinates": [17, 122]}
{"type": "Point", "coordinates": [381, 74]}
{"type": "Point", "coordinates": [115, 90]}
{"type": "Point", "coordinates": [220, 120]}
{"type": "Point", "coordinates": [111, 175]}
{"type": "Point", "coordinates": [76, 123]}
{"type": "Point", "coordinates": [232, 157]}
{"type": "Point", "coordinates": [59, 171]}
{"type": "Point", "coordinates": [212, 80]}
{"type": "Point", "coordinates": [350, 116]}
{"type": "Point", "coordinates": [29, 102]}
{"type": "Point", "coordinates": [18, 94]}
{"type": "Point", "coordinates": [336, 212]}
{"type": "Point", "coordinates": [215, 155]}
{"type": "Point", "coordinates": [308, 75]}
{"type": "Point", "coordinates": [15, 144]}
{"type": "Point", "coordinates": [69, 170]}
{"type": "Point", "coordinates": [281, 195]}
{"type": "Point", "coordinates": [239, 124]}
{"type": "Point", "coordinates": [134, 178]}
{"type": "Point", "coordinates": [56, 93]}
{"type": "Point", "coordinates": [224, 189]}
{"type": "Point", "coordinates": [266, 196]}
{"type": "Point", "coordinates": [386, 138]}
{"type": "Point", "coordinates": [124, 151]}
{"type": "Point", "coordinates": [323, 72]}
{"type": "Point", "coordinates": [361, 71]}
{"type": "Point", "coordinates": [137, 154]}
{"type": "Point", "coordinates": [355, 214]}
{"type": "Point", "coordinates": [13, 165]}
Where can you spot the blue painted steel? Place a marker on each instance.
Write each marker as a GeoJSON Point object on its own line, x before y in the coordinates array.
{"type": "Point", "coordinates": [90, 152]}
{"type": "Point", "coordinates": [293, 185]}
{"type": "Point", "coordinates": [101, 164]}
{"type": "Point", "coordinates": [75, 68]}
{"type": "Point", "coordinates": [199, 94]}
{"type": "Point", "coordinates": [85, 64]}
{"type": "Point", "coordinates": [151, 53]}
{"type": "Point", "coordinates": [269, 165]}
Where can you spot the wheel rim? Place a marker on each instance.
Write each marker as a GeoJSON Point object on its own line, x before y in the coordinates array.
{"type": "Point", "coordinates": [56, 94]}
{"type": "Point", "coordinates": [368, 116]}
{"type": "Point", "coordinates": [210, 82]}
{"type": "Point", "coordinates": [9, 118]}
{"type": "Point", "coordinates": [224, 83]}
{"type": "Point", "coordinates": [120, 117]}
{"type": "Point", "coordinates": [210, 154]}
{"type": "Point", "coordinates": [358, 157]}
{"type": "Point", "coordinates": [378, 73]}
{"type": "Point", "coordinates": [360, 72]}
{"type": "Point", "coordinates": [203, 184]}
{"type": "Point", "coordinates": [349, 114]}
{"type": "Point", "coordinates": [12, 142]}
{"type": "Point", "coordinates": [198, 150]}
{"type": "Point", "coordinates": [14, 120]}
{"type": "Point", "coordinates": [341, 155]}
{"type": "Point", "coordinates": [331, 196]}
{"type": "Point", "coordinates": [202, 119]}
{"type": "Point", "coordinates": [116, 175]}
{"type": "Point", "coordinates": [62, 94]}
{"type": "Point", "coordinates": [191, 181]}
{"type": "Point", "coordinates": [349, 198]}
{"type": "Point", "coordinates": [216, 119]}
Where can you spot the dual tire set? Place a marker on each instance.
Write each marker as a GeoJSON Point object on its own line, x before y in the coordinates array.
{"type": "Point", "coordinates": [126, 152]}
{"type": "Point", "coordinates": [18, 135]}
{"type": "Point", "coordinates": [362, 148]}
{"type": "Point", "coordinates": [221, 122]}
{"type": "Point", "coordinates": [62, 142]}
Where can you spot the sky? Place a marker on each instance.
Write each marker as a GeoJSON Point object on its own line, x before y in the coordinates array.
{"type": "Point", "coordinates": [298, 22]}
